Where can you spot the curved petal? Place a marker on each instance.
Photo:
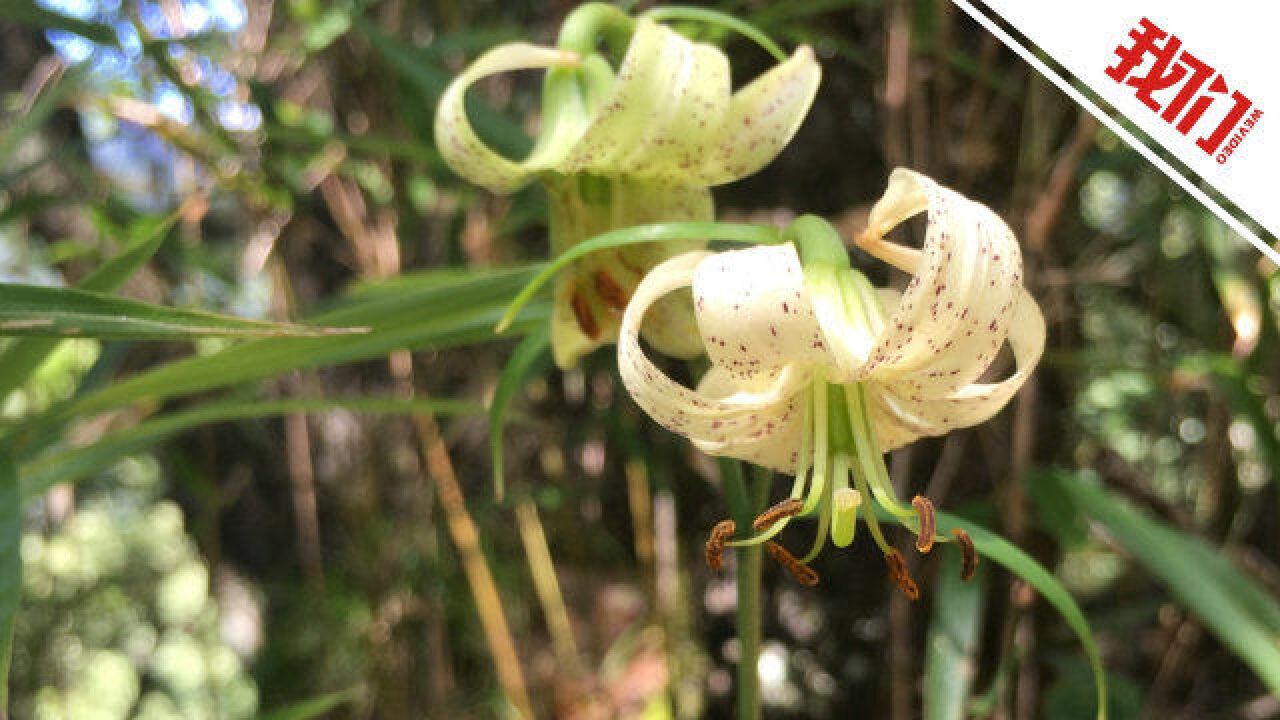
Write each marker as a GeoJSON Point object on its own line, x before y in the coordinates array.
{"type": "Point", "coordinates": [672, 117]}
{"type": "Point", "coordinates": [775, 444]}
{"type": "Point", "coordinates": [903, 412]}
{"type": "Point", "coordinates": [670, 95]}
{"type": "Point", "coordinates": [466, 153]}
{"type": "Point", "coordinates": [755, 314]}
{"type": "Point", "coordinates": [955, 313]}
{"type": "Point", "coordinates": [717, 421]}
{"type": "Point", "coordinates": [763, 117]}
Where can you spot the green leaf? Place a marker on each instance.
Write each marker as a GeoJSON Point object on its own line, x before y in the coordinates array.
{"type": "Point", "coordinates": [69, 465]}
{"type": "Point", "coordinates": [1243, 616]}
{"type": "Point", "coordinates": [992, 546]}
{"type": "Point", "coordinates": [10, 566]}
{"type": "Point", "coordinates": [145, 236]}
{"type": "Point", "coordinates": [39, 113]}
{"type": "Point", "coordinates": [313, 708]}
{"type": "Point", "coordinates": [442, 314]}
{"type": "Point", "coordinates": [34, 310]}
{"type": "Point", "coordinates": [952, 646]}
{"type": "Point", "coordinates": [28, 12]}
{"type": "Point", "coordinates": [715, 18]}
{"type": "Point", "coordinates": [532, 355]}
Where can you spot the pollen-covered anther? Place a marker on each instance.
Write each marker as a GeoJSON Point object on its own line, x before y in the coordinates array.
{"type": "Point", "coordinates": [900, 576]}
{"type": "Point", "coordinates": [720, 534]}
{"type": "Point", "coordinates": [613, 295]}
{"type": "Point", "coordinates": [802, 573]}
{"type": "Point", "coordinates": [583, 314]}
{"type": "Point", "coordinates": [968, 554]}
{"type": "Point", "coordinates": [785, 509]}
{"type": "Point", "coordinates": [928, 524]}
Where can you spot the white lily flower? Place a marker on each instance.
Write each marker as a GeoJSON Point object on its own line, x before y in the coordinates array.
{"type": "Point", "coordinates": [815, 373]}
{"type": "Point", "coordinates": [668, 115]}
{"type": "Point", "coordinates": [638, 146]}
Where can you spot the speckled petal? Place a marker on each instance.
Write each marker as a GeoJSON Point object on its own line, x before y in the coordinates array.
{"type": "Point", "coordinates": [755, 315]}
{"type": "Point", "coordinates": [955, 313]}
{"type": "Point", "coordinates": [713, 420]}
{"type": "Point", "coordinates": [763, 117]}
{"type": "Point", "coordinates": [903, 412]}
{"type": "Point", "coordinates": [466, 153]}
{"type": "Point", "coordinates": [643, 96]}
{"type": "Point", "coordinates": [775, 444]}
{"type": "Point", "coordinates": [672, 116]}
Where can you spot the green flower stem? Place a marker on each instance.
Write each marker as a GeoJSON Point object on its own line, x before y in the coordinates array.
{"type": "Point", "coordinates": [745, 502]}
{"type": "Point", "coordinates": [592, 22]}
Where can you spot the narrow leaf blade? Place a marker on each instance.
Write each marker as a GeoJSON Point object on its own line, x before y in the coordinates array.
{"type": "Point", "coordinates": [37, 311]}
{"type": "Point", "coordinates": [1239, 613]}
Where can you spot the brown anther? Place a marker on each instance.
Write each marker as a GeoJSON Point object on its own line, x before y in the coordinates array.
{"type": "Point", "coordinates": [802, 573]}
{"type": "Point", "coordinates": [900, 576]}
{"type": "Point", "coordinates": [785, 509]}
{"type": "Point", "coordinates": [928, 525]}
{"type": "Point", "coordinates": [968, 554]}
{"type": "Point", "coordinates": [615, 298]}
{"type": "Point", "coordinates": [715, 544]}
{"type": "Point", "coordinates": [582, 312]}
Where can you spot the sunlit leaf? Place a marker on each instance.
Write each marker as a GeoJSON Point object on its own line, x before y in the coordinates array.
{"type": "Point", "coordinates": [441, 314]}
{"type": "Point", "coordinates": [1242, 615]}
{"type": "Point", "coordinates": [21, 357]}
{"type": "Point", "coordinates": [34, 310]}
{"type": "Point", "coordinates": [993, 547]}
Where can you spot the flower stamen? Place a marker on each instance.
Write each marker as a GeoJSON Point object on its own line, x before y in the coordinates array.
{"type": "Point", "coordinates": [840, 467]}
{"type": "Point", "coordinates": [582, 313]}
{"type": "Point", "coordinates": [802, 573]}
{"type": "Point", "coordinates": [716, 543]}
{"type": "Point", "coordinates": [785, 509]}
{"type": "Point", "coordinates": [928, 524]}
{"type": "Point", "coordinates": [900, 576]}
{"type": "Point", "coordinates": [614, 296]}
{"type": "Point", "coordinates": [968, 554]}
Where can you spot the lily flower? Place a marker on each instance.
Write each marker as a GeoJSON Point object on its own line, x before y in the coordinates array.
{"type": "Point", "coordinates": [816, 374]}
{"type": "Point", "coordinates": [634, 145]}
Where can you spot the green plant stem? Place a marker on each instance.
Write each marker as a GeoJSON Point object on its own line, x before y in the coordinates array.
{"type": "Point", "coordinates": [745, 502]}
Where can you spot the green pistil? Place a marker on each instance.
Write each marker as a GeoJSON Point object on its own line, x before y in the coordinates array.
{"type": "Point", "coordinates": [844, 514]}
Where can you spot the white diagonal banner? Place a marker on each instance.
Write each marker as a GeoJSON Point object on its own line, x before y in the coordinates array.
{"type": "Point", "coordinates": [1195, 77]}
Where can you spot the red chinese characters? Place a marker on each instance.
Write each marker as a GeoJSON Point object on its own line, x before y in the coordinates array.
{"type": "Point", "coordinates": [1189, 87]}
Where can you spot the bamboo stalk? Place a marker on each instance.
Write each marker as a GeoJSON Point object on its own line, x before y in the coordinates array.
{"type": "Point", "coordinates": [484, 591]}
{"type": "Point", "coordinates": [547, 587]}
